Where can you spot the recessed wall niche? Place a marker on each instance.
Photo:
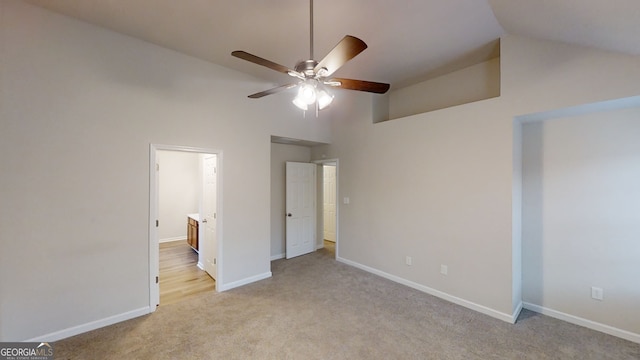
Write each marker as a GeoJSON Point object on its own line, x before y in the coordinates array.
{"type": "Point", "coordinates": [473, 78]}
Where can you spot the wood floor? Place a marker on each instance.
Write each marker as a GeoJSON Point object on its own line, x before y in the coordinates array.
{"type": "Point", "coordinates": [180, 277]}
{"type": "Point", "coordinates": [330, 246]}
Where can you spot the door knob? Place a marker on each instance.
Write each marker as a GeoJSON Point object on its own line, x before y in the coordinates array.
{"type": "Point", "coordinates": [204, 220]}
{"type": "Point", "coordinates": [289, 215]}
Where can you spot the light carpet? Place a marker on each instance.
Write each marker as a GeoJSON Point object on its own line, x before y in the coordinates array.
{"type": "Point", "coordinates": [316, 308]}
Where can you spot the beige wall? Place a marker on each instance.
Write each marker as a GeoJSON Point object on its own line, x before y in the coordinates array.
{"type": "Point", "coordinates": [79, 107]}
{"type": "Point", "coordinates": [474, 83]}
{"type": "Point", "coordinates": [442, 197]}
{"type": "Point", "coordinates": [448, 192]}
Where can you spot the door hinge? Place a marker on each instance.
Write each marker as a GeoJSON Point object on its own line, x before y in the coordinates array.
{"type": "Point", "coordinates": [214, 215]}
{"type": "Point", "coordinates": [157, 167]}
{"type": "Point", "coordinates": [157, 223]}
{"type": "Point", "coordinates": [157, 279]}
{"type": "Point", "coordinates": [214, 261]}
{"type": "Point", "coordinates": [215, 170]}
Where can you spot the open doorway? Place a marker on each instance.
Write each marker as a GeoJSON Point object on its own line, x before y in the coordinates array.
{"type": "Point", "coordinates": [327, 201]}
{"type": "Point", "coordinates": [183, 223]}
{"type": "Point", "coordinates": [329, 206]}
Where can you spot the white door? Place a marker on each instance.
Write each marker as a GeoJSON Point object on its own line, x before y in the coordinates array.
{"type": "Point", "coordinates": [208, 218]}
{"type": "Point", "coordinates": [329, 206]}
{"type": "Point", "coordinates": [301, 209]}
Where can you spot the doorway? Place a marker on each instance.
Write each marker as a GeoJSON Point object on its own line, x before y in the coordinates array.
{"type": "Point", "coordinates": [328, 206]}
{"type": "Point", "coordinates": [183, 222]}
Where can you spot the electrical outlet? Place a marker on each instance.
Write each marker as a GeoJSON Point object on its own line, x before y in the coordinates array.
{"type": "Point", "coordinates": [444, 269]}
{"type": "Point", "coordinates": [597, 293]}
{"type": "Point", "coordinates": [408, 260]}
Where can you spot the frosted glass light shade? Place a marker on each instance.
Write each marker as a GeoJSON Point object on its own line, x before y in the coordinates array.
{"type": "Point", "coordinates": [307, 93]}
{"type": "Point", "coordinates": [311, 92]}
{"type": "Point", "coordinates": [324, 99]}
{"type": "Point", "coordinates": [297, 101]}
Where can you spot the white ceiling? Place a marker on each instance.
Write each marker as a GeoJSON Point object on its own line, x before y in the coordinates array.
{"type": "Point", "coordinates": [408, 39]}
{"type": "Point", "coordinates": [607, 24]}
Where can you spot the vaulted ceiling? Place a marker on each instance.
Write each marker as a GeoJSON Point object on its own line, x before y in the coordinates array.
{"type": "Point", "coordinates": [409, 40]}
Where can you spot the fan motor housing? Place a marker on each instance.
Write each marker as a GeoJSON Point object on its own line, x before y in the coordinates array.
{"type": "Point", "coordinates": [306, 67]}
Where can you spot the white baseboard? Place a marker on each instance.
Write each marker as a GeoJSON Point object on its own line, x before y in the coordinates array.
{"type": "Point", "coordinates": [510, 318]}
{"type": "Point", "coordinates": [627, 335]}
{"type": "Point", "coordinates": [177, 238]}
{"type": "Point", "coordinates": [249, 280]}
{"type": "Point", "coordinates": [76, 330]}
{"type": "Point", "coordinates": [517, 312]}
{"type": "Point", "coordinates": [200, 266]}
{"type": "Point", "coordinates": [278, 256]}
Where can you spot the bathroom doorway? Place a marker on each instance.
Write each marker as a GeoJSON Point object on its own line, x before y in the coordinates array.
{"type": "Point", "coordinates": [184, 216]}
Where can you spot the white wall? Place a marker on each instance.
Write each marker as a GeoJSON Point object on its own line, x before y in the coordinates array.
{"type": "Point", "coordinates": [581, 222]}
{"type": "Point", "coordinates": [280, 154]}
{"type": "Point", "coordinates": [178, 192]}
{"type": "Point", "coordinates": [79, 107]}
{"type": "Point", "coordinates": [447, 194]}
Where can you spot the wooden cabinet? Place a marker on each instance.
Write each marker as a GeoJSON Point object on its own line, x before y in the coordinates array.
{"type": "Point", "coordinates": [192, 232]}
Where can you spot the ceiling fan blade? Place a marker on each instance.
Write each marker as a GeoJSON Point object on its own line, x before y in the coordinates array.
{"type": "Point", "coordinates": [260, 61]}
{"type": "Point", "coordinates": [345, 50]}
{"type": "Point", "coordinates": [360, 85]}
{"type": "Point", "coordinates": [272, 91]}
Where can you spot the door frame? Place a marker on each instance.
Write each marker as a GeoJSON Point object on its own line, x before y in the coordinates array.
{"type": "Point", "coordinates": [320, 206]}
{"type": "Point", "coordinates": [154, 246]}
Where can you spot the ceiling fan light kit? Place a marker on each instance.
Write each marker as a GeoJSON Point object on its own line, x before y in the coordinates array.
{"type": "Point", "coordinates": [312, 92]}
{"type": "Point", "coordinates": [313, 76]}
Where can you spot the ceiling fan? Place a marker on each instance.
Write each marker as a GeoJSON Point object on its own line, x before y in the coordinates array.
{"type": "Point", "coordinates": [313, 77]}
